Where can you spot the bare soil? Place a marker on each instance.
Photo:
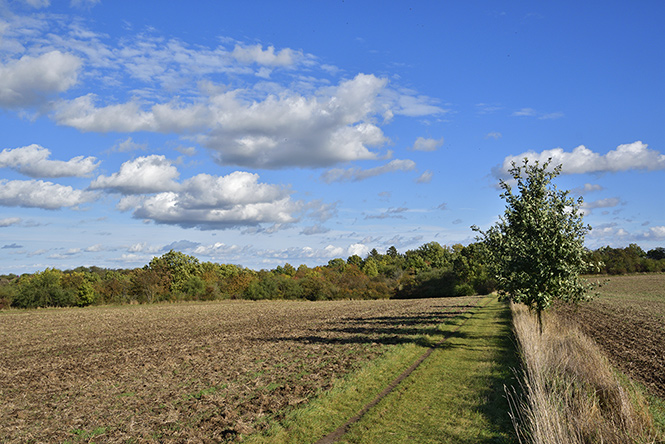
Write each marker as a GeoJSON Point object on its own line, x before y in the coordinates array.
{"type": "Point", "coordinates": [207, 372]}
{"type": "Point", "coordinates": [628, 321]}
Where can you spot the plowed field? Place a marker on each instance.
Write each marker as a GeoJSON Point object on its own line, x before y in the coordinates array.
{"type": "Point", "coordinates": [188, 372]}
{"type": "Point", "coordinates": [628, 321]}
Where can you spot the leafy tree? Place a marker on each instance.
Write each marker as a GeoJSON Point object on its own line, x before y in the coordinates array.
{"type": "Point", "coordinates": [177, 268]}
{"type": "Point", "coordinates": [537, 247]}
{"type": "Point", "coordinates": [43, 289]}
{"type": "Point", "coordinates": [657, 253]}
{"type": "Point", "coordinates": [355, 260]}
{"type": "Point", "coordinates": [370, 268]}
{"type": "Point", "coordinates": [78, 283]}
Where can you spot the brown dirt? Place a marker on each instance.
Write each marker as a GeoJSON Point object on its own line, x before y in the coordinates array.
{"type": "Point", "coordinates": [628, 322]}
{"type": "Point", "coordinates": [188, 372]}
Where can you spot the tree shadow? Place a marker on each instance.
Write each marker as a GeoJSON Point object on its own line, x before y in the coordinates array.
{"type": "Point", "coordinates": [385, 330]}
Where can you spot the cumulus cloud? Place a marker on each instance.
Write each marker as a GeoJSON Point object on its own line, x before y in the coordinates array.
{"type": "Point", "coordinates": [625, 157]}
{"type": "Point", "coordinates": [212, 202]}
{"type": "Point", "coordinates": [657, 233]}
{"type": "Point", "coordinates": [285, 128]}
{"type": "Point", "coordinates": [40, 194]}
{"type": "Point", "coordinates": [151, 174]}
{"type": "Point", "coordinates": [355, 174]}
{"type": "Point", "coordinates": [33, 161]}
{"type": "Point", "coordinates": [423, 144]}
{"type": "Point", "coordinates": [31, 80]}
{"type": "Point", "coordinates": [294, 130]}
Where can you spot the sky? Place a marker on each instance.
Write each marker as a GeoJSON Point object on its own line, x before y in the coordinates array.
{"type": "Point", "coordinates": [260, 133]}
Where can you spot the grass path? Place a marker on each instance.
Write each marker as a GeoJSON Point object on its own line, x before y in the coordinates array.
{"type": "Point", "coordinates": [455, 396]}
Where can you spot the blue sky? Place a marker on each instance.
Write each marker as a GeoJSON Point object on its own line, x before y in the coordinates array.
{"type": "Point", "coordinates": [260, 133]}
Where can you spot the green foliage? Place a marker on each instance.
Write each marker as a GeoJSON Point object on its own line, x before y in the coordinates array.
{"type": "Point", "coordinates": [631, 259]}
{"type": "Point", "coordinates": [43, 289]}
{"type": "Point", "coordinates": [370, 268]}
{"type": "Point", "coordinates": [176, 268]}
{"type": "Point", "coordinates": [431, 270]}
{"type": "Point", "coordinates": [537, 248]}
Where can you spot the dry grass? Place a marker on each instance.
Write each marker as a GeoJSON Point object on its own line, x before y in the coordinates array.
{"type": "Point", "coordinates": [570, 392]}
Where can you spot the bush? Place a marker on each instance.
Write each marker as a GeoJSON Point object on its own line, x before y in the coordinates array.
{"type": "Point", "coordinates": [464, 290]}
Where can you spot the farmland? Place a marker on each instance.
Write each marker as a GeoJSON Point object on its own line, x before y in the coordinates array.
{"type": "Point", "coordinates": [628, 321]}
{"type": "Point", "coordinates": [197, 371]}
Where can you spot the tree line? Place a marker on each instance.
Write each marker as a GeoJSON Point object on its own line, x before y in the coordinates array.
{"type": "Point", "coordinates": [431, 270]}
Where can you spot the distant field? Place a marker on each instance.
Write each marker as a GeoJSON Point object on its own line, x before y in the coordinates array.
{"type": "Point", "coordinates": [188, 371]}
{"type": "Point", "coordinates": [628, 321]}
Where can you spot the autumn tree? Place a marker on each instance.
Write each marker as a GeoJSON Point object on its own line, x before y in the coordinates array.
{"type": "Point", "coordinates": [537, 248]}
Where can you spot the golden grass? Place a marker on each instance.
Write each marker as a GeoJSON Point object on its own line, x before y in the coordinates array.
{"type": "Point", "coordinates": [570, 392]}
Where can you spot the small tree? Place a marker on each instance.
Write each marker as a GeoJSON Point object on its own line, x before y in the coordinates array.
{"type": "Point", "coordinates": [537, 248]}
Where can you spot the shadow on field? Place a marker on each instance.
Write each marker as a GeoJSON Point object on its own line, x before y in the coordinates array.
{"type": "Point", "coordinates": [386, 330]}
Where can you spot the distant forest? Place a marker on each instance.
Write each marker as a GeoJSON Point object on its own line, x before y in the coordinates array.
{"type": "Point", "coordinates": [431, 270]}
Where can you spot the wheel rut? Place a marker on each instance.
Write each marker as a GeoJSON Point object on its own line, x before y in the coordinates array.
{"type": "Point", "coordinates": [338, 433]}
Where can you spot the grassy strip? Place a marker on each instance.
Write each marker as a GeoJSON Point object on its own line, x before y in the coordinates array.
{"type": "Point", "coordinates": [457, 395]}
{"type": "Point", "coordinates": [460, 386]}
{"type": "Point", "coordinates": [571, 393]}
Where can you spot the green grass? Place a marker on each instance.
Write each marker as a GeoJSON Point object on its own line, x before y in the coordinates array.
{"type": "Point", "coordinates": [456, 395]}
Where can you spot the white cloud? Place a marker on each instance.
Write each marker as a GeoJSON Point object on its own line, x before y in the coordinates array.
{"type": "Point", "coordinates": [426, 177]}
{"type": "Point", "coordinates": [30, 80]}
{"type": "Point", "coordinates": [283, 129]}
{"type": "Point", "coordinates": [256, 54]}
{"type": "Point", "coordinates": [212, 202]}
{"type": "Point", "coordinates": [128, 145]}
{"type": "Point", "coordinates": [602, 203]}
{"type": "Point", "coordinates": [423, 144]}
{"type": "Point", "coordinates": [314, 229]}
{"type": "Point", "coordinates": [151, 174]}
{"type": "Point", "coordinates": [359, 249]}
{"type": "Point", "coordinates": [33, 161]}
{"type": "Point", "coordinates": [40, 194]}
{"type": "Point", "coordinates": [587, 188]}
{"type": "Point", "coordinates": [357, 174]}
{"type": "Point", "coordinates": [293, 130]}
{"type": "Point", "coordinates": [552, 116]}
{"type": "Point", "coordinates": [84, 4]}
{"type": "Point", "coordinates": [38, 4]}
{"type": "Point", "coordinates": [625, 157]}
{"type": "Point", "coordinates": [655, 233]}
{"type": "Point", "coordinates": [493, 135]}
{"type": "Point", "coordinates": [9, 221]}
{"type": "Point", "coordinates": [528, 112]}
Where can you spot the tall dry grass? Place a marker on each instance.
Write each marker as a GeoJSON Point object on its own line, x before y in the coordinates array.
{"type": "Point", "coordinates": [569, 393]}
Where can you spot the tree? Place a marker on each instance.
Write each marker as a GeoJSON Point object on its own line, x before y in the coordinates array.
{"type": "Point", "coordinates": [537, 248]}
{"type": "Point", "coordinates": [177, 268]}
